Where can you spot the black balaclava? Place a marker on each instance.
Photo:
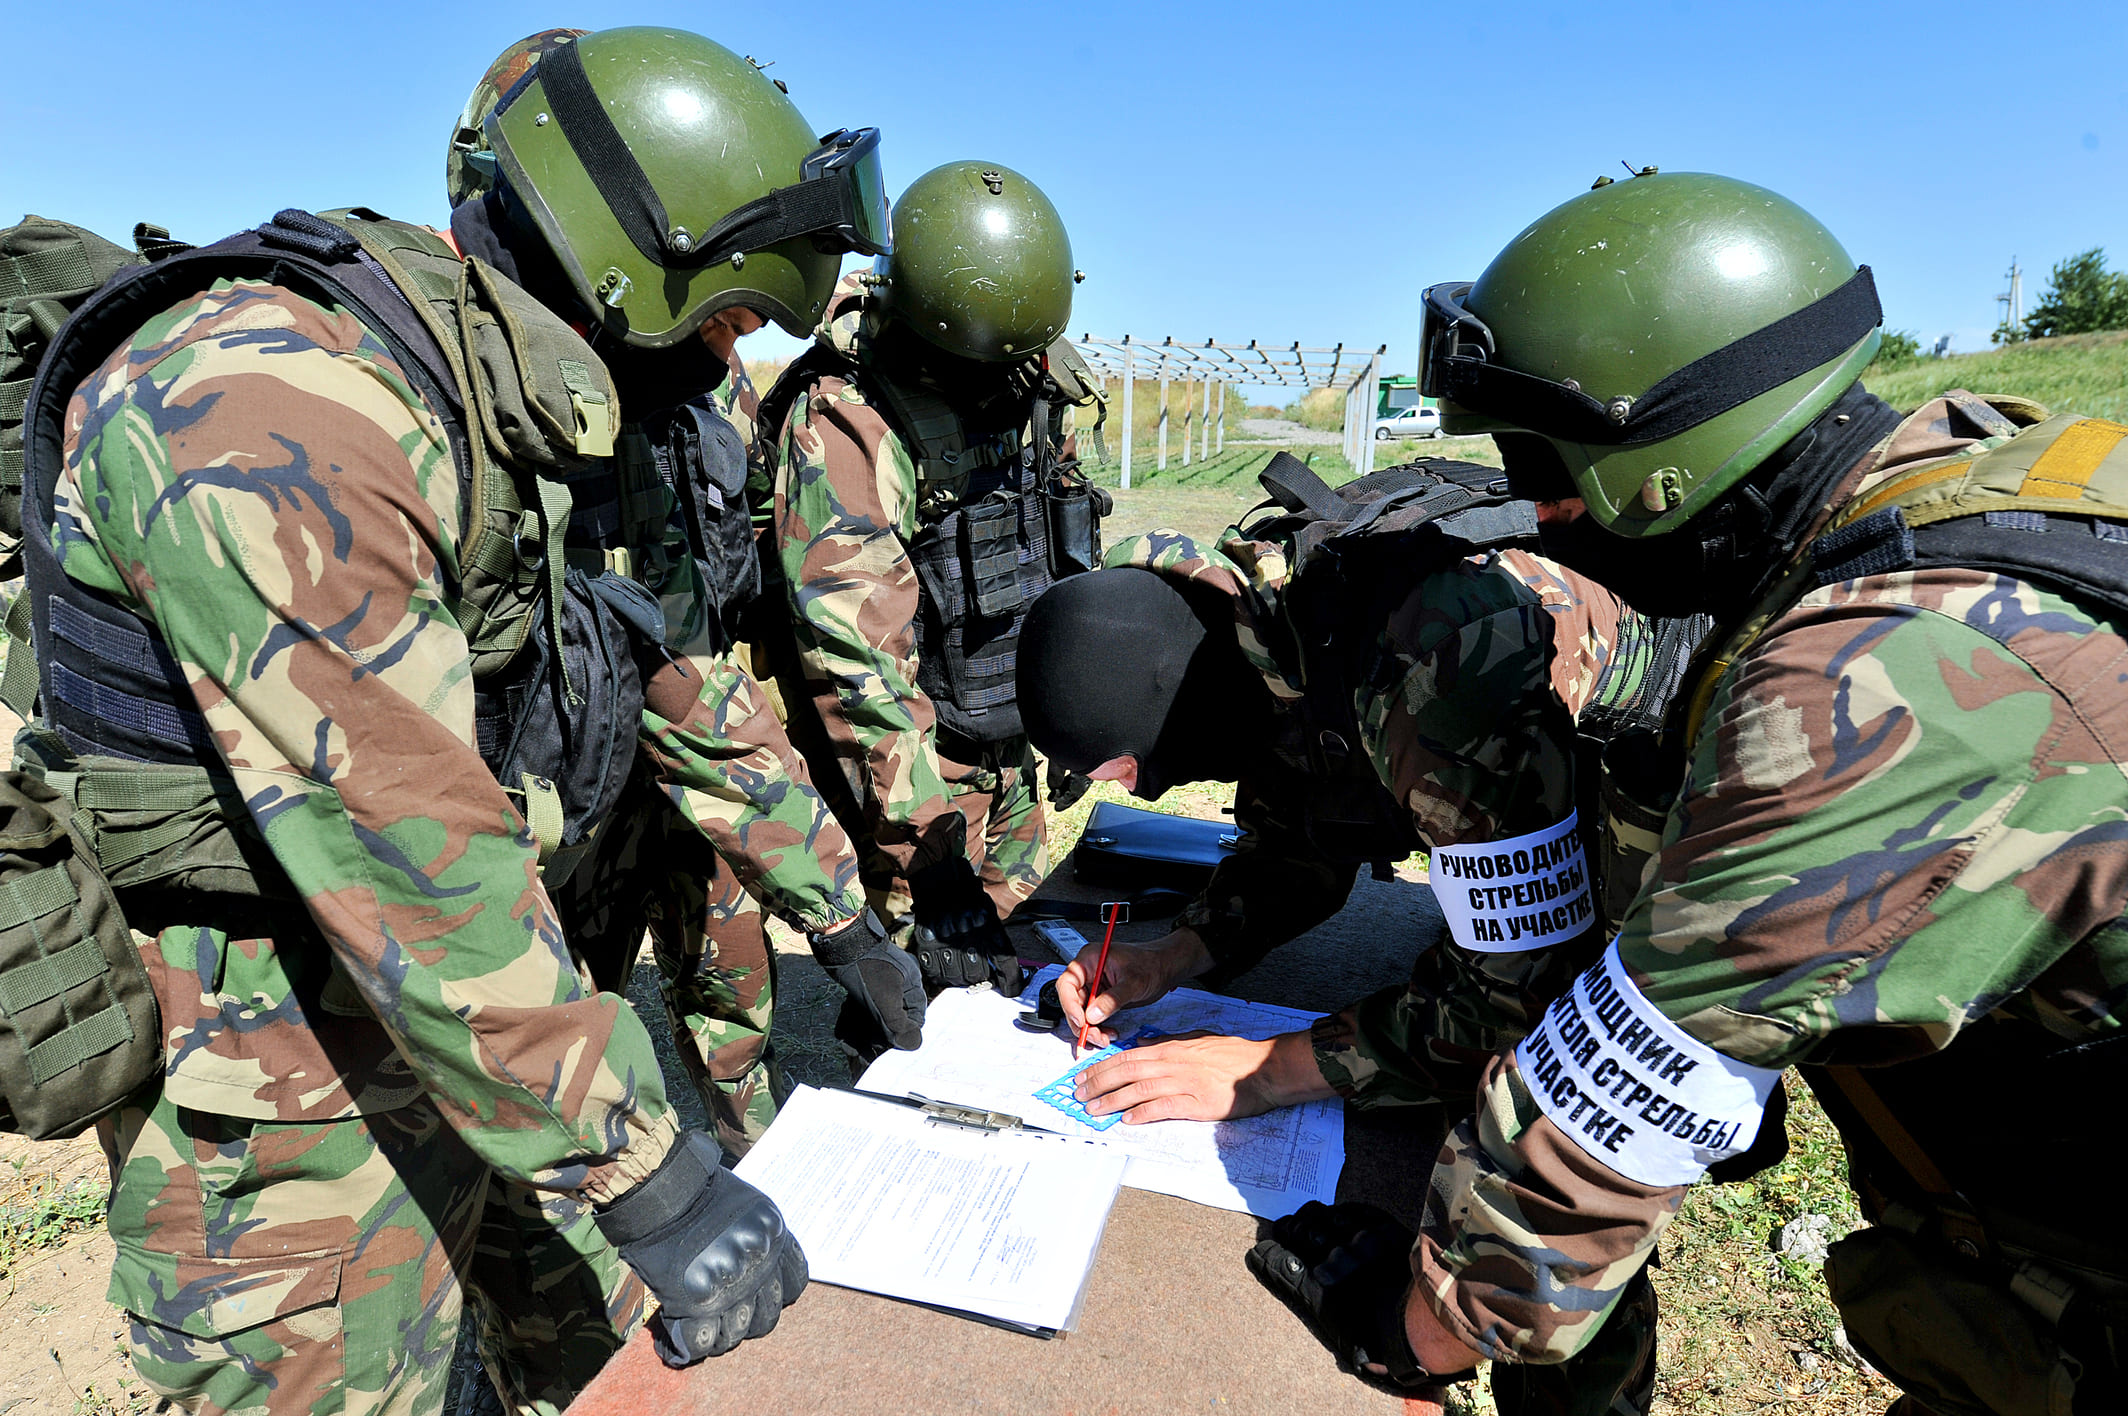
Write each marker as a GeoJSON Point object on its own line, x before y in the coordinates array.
{"type": "Point", "coordinates": [496, 229]}
{"type": "Point", "coordinates": [1121, 663]}
{"type": "Point", "coordinates": [1719, 561]}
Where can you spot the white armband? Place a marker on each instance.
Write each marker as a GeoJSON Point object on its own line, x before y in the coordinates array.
{"type": "Point", "coordinates": [1633, 1089]}
{"type": "Point", "coordinates": [1526, 892]}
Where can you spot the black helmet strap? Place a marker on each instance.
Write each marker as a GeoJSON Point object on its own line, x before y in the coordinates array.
{"type": "Point", "coordinates": [799, 210]}
{"type": "Point", "coordinates": [605, 155]}
{"type": "Point", "coordinates": [1706, 388]}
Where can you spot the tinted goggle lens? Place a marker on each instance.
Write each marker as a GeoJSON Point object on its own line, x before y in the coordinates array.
{"type": "Point", "coordinates": [1448, 329]}
{"type": "Point", "coordinates": [852, 158]}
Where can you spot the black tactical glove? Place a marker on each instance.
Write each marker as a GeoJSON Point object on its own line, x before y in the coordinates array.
{"type": "Point", "coordinates": [1346, 1269]}
{"type": "Point", "coordinates": [711, 1248]}
{"type": "Point", "coordinates": [1065, 786]}
{"type": "Point", "coordinates": [958, 939]}
{"type": "Point", "coordinates": [886, 990]}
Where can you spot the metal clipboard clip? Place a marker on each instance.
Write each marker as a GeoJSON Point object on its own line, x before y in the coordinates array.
{"type": "Point", "coordinates": [946, 1113]}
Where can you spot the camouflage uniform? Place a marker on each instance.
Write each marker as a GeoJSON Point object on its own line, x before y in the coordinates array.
{"type": "Point", "coordinates": [1902, 816]}
{"type": "Point", "coordinates": [709, 934]}
{"type": "Point", "coordinates": [406, 1087]}
{"type": "Point", "coordinates": [1467, 715]}
{"type": "Point", "coordinates": [846, 503]}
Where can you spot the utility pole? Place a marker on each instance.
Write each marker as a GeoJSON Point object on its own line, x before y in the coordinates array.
{"type": "Point", "coordinates": [2013, 303]}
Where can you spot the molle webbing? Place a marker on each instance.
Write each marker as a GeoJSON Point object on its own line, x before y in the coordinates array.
{"type": "Point", "coordinates": [980, 566]}
{"type": "Point", "coordinates": [937, 438]}
{"type": "Point", "coordinates": [1647, 664]}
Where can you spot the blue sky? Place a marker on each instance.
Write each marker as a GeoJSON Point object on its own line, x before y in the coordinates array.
{"type": "Point", "coordinates": [1238, 170]}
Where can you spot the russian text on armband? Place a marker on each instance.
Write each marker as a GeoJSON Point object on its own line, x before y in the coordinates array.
{"type": "Point", "coordinates": [1526, 892]}
{"type": "Point", "coordinates": [1632, 1088]}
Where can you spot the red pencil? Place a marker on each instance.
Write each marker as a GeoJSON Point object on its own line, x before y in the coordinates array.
{"type": "Point", "coordinates": [1111, 910]}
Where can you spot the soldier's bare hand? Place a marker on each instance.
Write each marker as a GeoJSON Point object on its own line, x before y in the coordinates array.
{"type": "Point", "coordinates": [1203, 1077]}
{"type": "Point", "coordinates": [1136, 973]}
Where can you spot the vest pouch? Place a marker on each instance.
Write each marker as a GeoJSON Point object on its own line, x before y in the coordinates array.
{"type": "Point", "coordinates": [79, 1030]}
{"type": "Point", "coordinates": [1961, 1344]}
{"type": "Point", "coordinates": [701, 456]}
{"type": "Point", "coordinates": [543, 396]}
{"type": "Point", "coordinates": [1074, 510]}
{"type": "Point", "coordinates": [561, 742]}
{"type": "Point", "coordinates": [935, 552]}
{"type": "Point", "coordinates": [990, 543]}
{"type": "Point", "coordinates": [160, 828]}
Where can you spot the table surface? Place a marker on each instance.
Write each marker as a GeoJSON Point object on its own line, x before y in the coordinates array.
{"type": "Point", "coordinates": [1173, 1321]}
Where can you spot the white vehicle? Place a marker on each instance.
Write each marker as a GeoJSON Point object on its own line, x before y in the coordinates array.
{"type": "Point", "coordinates": [1413, 422]}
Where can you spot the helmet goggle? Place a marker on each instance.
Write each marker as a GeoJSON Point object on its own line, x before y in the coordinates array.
{"type": "Point", "coordinates": [850, 156]}
{"type": "Point", "coordinates": [1457, 353]}
{"type": "Point", "coordinates": [839, 199]}
{"type": "Point", "coordinates": [1447, 330]}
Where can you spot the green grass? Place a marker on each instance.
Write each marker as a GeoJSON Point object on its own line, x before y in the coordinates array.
{"type": "Point", "coordinates": [1743, 1328]}
{"type": "Point", "coordinates": [1205, 498]}
{"type": "Point", "coordinates": [2077, 373]}
{"type": "Point", "coordinates": [44, 1214]}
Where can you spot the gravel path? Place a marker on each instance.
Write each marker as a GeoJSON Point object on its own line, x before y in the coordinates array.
{"type": "Point", "coordinates": [1285, 430]}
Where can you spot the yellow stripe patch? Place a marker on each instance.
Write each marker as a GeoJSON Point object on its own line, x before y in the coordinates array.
{"type": "Point", "coordinates": [2065, 468]}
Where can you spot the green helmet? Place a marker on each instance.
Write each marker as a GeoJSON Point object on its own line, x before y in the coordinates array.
{"type": "Point", "coordinates": [981, 265]}
{"type": "Point", "coordinates": [673, 179]}
{"type": "Point", "coordinates": [1664, 334]}
{"type": "Point", "coordinates": [469, 166]}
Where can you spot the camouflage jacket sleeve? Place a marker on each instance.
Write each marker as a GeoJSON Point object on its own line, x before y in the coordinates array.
{"type": "Point", "coordinates": [257, 477]}
{"type": "Point", "coordinates": [1467, 722]}
{"type": "Point", "coordinates": [1272, 887]}
{"type": "Point", "coordinates": [845, 510]}
{"type": "Point", "coordinates": [712, 734]}
{"type": "Point", "coordinates": [1905, 809]}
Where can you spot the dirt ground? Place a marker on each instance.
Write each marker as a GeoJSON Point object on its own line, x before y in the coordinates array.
{"type": "Point", "coordinates": [61, 1345]}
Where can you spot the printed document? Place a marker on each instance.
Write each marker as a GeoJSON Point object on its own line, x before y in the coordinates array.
{"type": "Point", "coordinates": [1003, 1225]}
{"type": "Point", "coordinates": [975, 1054]}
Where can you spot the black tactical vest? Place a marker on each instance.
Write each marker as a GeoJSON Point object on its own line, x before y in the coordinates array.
{"type": "Point", "coordinates": [1355, 552]}
{"type": "Point", "coordinates": [1018, 518]}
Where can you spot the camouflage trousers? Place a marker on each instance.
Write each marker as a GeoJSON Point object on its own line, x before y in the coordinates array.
{"type": "Point", "coordinates": [998, 790]}
{"type": "Point", "coordinates": [296, 1269]}
{"type": "Point", "coordinates": [652, 870]}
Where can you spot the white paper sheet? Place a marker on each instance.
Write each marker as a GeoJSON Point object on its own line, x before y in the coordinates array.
{"type": "Point", "coordinates": [1265, 1165]}
{"type": "Point", "coordinates": [1005, 1225]}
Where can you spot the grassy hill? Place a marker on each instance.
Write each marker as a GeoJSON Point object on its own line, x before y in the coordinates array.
{"type": "Point", "coordinates": [2077, 373]}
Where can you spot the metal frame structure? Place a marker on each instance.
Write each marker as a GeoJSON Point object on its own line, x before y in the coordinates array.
{"type": "Point", "coordinates": [1219, 366]}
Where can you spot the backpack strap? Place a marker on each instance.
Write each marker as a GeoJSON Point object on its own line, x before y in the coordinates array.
{"type": "Point", "coordinates": [1293, 485]}
{"type": "Point", "coordinates": [18, 684]}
